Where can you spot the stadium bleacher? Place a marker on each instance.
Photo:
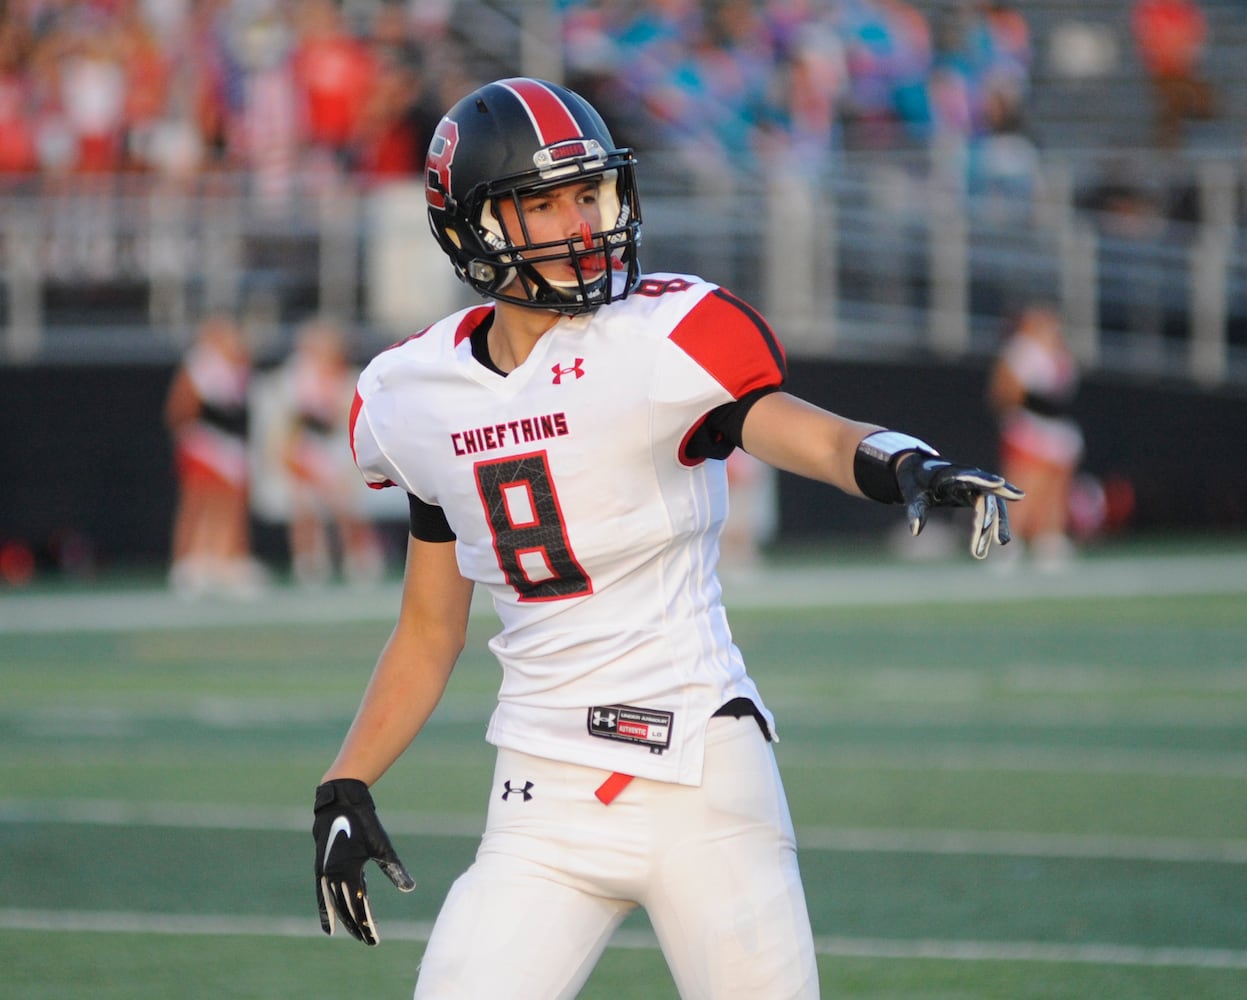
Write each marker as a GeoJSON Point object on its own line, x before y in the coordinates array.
{"type": "Point", "coordinates": [1112, 108]}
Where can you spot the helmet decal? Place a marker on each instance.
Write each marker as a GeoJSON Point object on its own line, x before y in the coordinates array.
{"type": "Point", "coordinates": [552, 121]}
{"type": "Point", "coordinates": [441, 155]}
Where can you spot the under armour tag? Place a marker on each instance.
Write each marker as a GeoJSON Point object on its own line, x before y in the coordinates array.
{"type": "Point", "coordinates": [649, 727]}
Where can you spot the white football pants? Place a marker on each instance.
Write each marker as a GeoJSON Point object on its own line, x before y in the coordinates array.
{"type": "Point", "coordinates": [715, 868]}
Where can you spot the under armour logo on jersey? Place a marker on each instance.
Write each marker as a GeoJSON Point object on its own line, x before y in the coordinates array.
{"type": "Point", "coordinates": [650, 727]}
{"type": "Point", "coordinates": [576, 369]}
{"type": "Point", "coordinates": [526, 791]}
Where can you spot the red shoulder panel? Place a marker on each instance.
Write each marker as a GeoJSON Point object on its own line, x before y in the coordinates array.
{"type": "Point", "coordinates": [731, 340]}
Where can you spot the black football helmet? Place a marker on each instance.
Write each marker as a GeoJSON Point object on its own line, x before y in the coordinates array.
{"type": "Point", "coordinates": [504, 141]}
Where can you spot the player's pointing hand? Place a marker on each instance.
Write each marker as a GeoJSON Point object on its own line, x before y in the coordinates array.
{"type": "Point", "coordinates": [926, 481]}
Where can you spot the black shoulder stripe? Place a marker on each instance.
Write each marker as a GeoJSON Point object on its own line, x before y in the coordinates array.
{"type": "Point", "coordinates": [763, 327]}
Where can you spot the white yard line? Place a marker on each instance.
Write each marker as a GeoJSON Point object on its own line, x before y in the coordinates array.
{"type": "Point", "coordinates": [1032, 951]}
{"type": "Point", "coordinates": [1027, 759]}
{"type": "Point", "coordinates": [175, 815]}
{"type": "Point", "coordinates": [1167, 850]}
{"type": "Point", "coordinates": [969, 582]}
{"type": "Point", "coordinates": [188, 925]}
{"type": "Point", "coordinates": [766, 587]}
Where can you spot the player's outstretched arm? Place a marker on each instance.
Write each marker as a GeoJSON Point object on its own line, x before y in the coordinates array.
{"type": "Point", "coordinates": [864, 459]}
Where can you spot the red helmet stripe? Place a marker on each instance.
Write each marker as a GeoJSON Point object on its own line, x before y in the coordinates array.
{"type": "Point", "coordinates": [551, 118]}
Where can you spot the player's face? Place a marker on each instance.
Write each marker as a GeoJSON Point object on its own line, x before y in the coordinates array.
{"type": "Point", "coordinates": [557, 215]}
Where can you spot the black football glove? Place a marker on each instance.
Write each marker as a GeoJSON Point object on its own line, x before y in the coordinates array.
{"type": "Point", "coordinates": [926, 481]}
{"type": "Point", "coordinates": [348, 835]}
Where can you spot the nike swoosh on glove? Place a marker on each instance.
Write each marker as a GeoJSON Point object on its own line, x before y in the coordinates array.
{"type": "Point", "coordinates": [926, 482]}
{"type": "Point", "coordinates": [348, 835]}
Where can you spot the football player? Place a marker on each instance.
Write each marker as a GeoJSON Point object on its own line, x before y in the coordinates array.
{"type": "Point", "coordinates": [562, 445]}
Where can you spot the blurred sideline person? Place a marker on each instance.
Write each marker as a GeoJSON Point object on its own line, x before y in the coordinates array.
{"type": "Point", "coordinates": [206, 412]}
{"type": "Point", "coordinates": [323, 480]}
{"type": "Point", "coordinates": [564, 447]}
{"type": "Point", "coordinates": [1032, 388]}
{"type": "Point", "coordinates": [1171, 39]}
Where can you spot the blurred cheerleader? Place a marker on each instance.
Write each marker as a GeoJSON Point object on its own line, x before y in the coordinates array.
{"type": "Point", "coordinates": [1032, 389]}
{"type": "Point", "coordinates": [206, 412]}
{"type": "Point", "coordinates": [324, 486]}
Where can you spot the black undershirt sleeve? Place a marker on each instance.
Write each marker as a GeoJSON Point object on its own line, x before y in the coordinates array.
{"type": "Point", "coordinates": [720, 431]}
{"type": "Point", "coordinates": [427, 522]}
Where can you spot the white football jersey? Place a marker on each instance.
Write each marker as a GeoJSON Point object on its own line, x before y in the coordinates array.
{"type": "Point", "coordinates": [576, 504]}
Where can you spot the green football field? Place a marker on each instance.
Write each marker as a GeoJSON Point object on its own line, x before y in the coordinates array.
{"type": "Point", "coordinates": [1005, 785]}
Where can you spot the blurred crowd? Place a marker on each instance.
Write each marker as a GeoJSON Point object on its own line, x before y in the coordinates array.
{"type": "Point", "coordinates": [314, 88]}
{"type": "Point", "coordinates": [177, 87]}
{"type": "Point", "coordinates": [800, 79]}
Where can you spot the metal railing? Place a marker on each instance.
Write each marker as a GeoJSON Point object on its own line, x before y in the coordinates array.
{"type": "Point", "coordinates": [875, 257]}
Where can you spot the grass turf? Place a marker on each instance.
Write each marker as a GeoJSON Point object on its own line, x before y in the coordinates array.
{"type": "Point", "coordinates": [1119, 722]}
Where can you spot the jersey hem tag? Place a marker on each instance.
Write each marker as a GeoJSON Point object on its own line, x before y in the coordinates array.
{"type": "Point", "coordinates": [650, 727]}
